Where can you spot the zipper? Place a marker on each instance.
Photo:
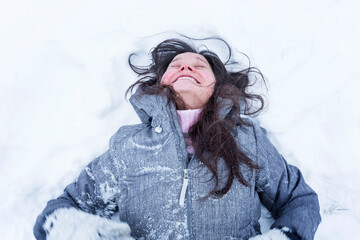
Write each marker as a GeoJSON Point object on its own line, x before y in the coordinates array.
{"type": "Point", "coordinates": [185, 183]}
{"type": "Point", "coordinates": [185, 197]}
{"type": "Point", "coordinates": [184, 187]}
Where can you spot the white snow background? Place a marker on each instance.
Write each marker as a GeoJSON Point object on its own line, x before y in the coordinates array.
{"type": "Point", "coordinates": [64, 71]}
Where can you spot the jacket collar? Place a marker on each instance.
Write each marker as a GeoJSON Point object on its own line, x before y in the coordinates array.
{"type": "Point", "coordinates": [150, 107]}
{"type": "Point", "coordinates": [158, 107]}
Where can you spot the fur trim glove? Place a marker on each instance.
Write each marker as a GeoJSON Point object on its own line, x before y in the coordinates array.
{"type": "Point", "coordinates": [70, 223]}
{"type": "Point", "coordinates": [273, 234]}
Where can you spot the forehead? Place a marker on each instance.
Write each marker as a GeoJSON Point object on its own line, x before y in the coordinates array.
{"type": "Point", "coordinates": [190, 56]}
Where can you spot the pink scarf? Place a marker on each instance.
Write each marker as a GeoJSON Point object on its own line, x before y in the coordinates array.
{"type": "Point", "coordinates": [187, 118]}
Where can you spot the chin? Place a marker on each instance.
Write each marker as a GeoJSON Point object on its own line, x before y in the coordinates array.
{"type": "Point", "coordinates": [186, 89]}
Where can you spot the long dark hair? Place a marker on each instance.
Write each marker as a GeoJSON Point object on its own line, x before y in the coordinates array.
{"type": "Point", "coordinates": [211, 136]}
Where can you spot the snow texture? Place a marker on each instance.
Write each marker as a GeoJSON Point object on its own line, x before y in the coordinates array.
{"type": "Point", "coordinates": [64, 72]}
{"type": "Point", "coordinates": [273, 234]}
{"type": "Point", "coordinates": [72, 224]}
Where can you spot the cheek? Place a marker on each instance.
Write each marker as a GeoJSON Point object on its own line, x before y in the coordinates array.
{"type": "Point", "coordinates": [210, 83]}
{"type": "Point", "coordinates": [166, 78]}
{"type": "Point", "coordinates": [209, 76]}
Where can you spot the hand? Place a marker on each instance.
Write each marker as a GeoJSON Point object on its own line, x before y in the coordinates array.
{"type": "Point", "coordinates": [69, 223]}
{"type": "Point", "coordinates": [273, 234]}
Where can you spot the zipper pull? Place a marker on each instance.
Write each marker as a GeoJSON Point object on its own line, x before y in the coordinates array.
{"type": "Point", "coordinates": [184, 187]}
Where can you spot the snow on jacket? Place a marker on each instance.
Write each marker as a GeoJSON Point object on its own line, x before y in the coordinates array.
{"type": "Point", "coordinates": [141, 176]}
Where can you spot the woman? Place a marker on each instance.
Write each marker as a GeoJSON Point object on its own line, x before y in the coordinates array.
{"type": "Point", "coordinates": [195, 168]}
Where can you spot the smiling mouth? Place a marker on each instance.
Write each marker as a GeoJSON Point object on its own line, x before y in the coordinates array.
{"type": "Point", "coordinates": [187, 78]}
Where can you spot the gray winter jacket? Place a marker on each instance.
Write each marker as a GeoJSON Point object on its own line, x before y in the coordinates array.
{"type": "Point", "coordinates": [142, 175]}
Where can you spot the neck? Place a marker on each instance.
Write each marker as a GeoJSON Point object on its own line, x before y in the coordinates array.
{"type": "Point", "coordinates": [191, 102]}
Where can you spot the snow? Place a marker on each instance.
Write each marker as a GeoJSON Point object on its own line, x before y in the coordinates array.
{"type": "Point", "coordinates": [147, 170]}
{"type": "Point", "coordinates": [64, 72]}
{"type": "Point", "coordinates": [87, 226]}
{"type": "Point", "coordinates": [139, 146]}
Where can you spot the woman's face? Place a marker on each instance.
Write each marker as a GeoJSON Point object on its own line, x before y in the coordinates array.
{"type": "Point", "coordinates": [191, 77]}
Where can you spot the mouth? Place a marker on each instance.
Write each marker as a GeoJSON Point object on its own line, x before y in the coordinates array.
{"type": "Point", "coordinates": [186, 78]}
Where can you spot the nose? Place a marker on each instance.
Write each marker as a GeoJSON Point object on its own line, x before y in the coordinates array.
{"type": "Point", "coordinates": [185, 66]}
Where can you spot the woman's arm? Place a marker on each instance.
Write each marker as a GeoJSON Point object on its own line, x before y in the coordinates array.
{"type": "Point", "coordinates": [283, 191]}
{"type": "Point", "coordinates": [93, 193]}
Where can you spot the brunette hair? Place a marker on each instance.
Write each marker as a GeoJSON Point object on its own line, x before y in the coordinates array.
{"type": "Point", "coordinates": [211, 136]}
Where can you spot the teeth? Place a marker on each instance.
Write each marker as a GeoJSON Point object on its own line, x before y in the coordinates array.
{"type": "Point", "coordinates": [187, 78]}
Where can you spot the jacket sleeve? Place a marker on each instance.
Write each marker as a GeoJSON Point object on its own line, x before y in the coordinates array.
{"type": "Point", "coordinates": [283, 191]}
{"type": "Point", "coordinates": [95, 191]}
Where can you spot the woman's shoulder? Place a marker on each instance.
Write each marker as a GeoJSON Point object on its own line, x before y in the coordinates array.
{"type": "Point", "coordinates": [250, 130]}
{"type": "Point", "coordinates": [126, 131]}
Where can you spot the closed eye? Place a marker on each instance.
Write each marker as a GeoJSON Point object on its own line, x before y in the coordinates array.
{"type": "Point", "coordinates": [174, 66]}
{"type": "Point", "coordinates": [200, 66]}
